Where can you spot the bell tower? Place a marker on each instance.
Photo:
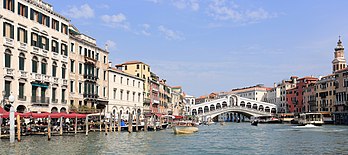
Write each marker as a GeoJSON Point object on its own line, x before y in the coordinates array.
{"type": "Point", "coordinates": [339, 61]}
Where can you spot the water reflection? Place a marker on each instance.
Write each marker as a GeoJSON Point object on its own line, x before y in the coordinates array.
{"type": "Point", "coordinates": [232, 138]}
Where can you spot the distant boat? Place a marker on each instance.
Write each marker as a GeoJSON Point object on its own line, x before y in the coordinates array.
{"type": "Point", "coordinates": [185, 127]}
{"type": "Point", "coordinates": [254, 122]}
{"type": "Point", "coordinates": [310, 118]}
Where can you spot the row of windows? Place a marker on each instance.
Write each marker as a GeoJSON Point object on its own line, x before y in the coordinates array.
{"type": "Point", "coordinates": [127, 81]}
{"type": "Point", "coordinates": [35, 16]}
{"type": "Point", "coordinates": [34, 63]}
{"type": "Point", "coordinates": [34, 93]}
{"type": "Point", "coordinates": [121, 97]}
{"type": "Point", "coordinates": [88, 88]}
{"type": "Point", "coordinates": [37, 40]}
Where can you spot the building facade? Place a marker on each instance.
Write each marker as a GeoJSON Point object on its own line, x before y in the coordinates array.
{"type": "Point", "coordinates": [88, 73]}
{"type": "Point", "coordinates": [258, 92]}
{"type": "Point", "coordinates": [35, 56]}
{"type": "Point", "coordinates": [325, 94]}
{"type": "Point", "coordinates": [126, 94]}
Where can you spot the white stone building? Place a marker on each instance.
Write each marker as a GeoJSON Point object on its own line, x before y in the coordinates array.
{"type": "Point", "coordinates": [258, 92]}
{"type": "Point", "coordinates": [125, 93]}
{"type": "Point", "coordinates": [34, 53]}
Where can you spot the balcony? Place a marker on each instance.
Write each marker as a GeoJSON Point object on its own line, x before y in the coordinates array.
{"type": "Point", "coordinates": [8, 42]}
{"type": "Point", "coordinates": [22, 98]}
{"type": "Point", "coordinates": [37, 77]}
{"type": "Point", "coordinates": [55, 55]}
{"type": "Point", "coordinates": [23, 74]}
{"type": "Point", "coordinates": [64, 58]}
{"type": "Point", "coordinates": [54, 100]}
{"type": "Point", "coordinates": [8, 72]}
{"type": "Point", "coordinates": [91, 60]}
{"type": "Point", "coordinates": [36, 50]}
{"type": "Point", "coordinates": [41, 101]}
{"type": "Point", "coordinates": [90, 77]}
{"type": "Point", "coordinates": [44, 52]}
{"type": "Point", "coordinates": [155, 102]}
{"type": "Point", "coordinates": [55, 80]}
{"type": "Point", "coordinates": [46, 78]}
{"type": "Point", "coordinates": [90, 96]}
{"type": "Point", "coordinates": [65, 82]}
{"type": "Point", "coordinates": [63, 101]}
{"type": "Point", "coordinates": [23, 46]}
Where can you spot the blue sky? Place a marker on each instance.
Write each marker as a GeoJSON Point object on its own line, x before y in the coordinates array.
{"type": "Point", "coordinates": [215, 45]}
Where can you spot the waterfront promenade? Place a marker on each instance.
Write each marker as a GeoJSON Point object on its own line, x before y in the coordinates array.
{"type": "Point", "coordinates": [232, 138]}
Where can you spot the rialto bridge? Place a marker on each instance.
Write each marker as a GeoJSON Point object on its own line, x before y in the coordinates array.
{"type": "Point", "coordinates": [232, 104]}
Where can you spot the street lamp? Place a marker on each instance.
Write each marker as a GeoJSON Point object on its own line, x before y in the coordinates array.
{"type": "Point", "coordinates": [11, 99]}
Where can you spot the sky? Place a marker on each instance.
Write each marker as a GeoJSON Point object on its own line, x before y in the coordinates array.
{"type": "Point", "coordinates": [215, 45]}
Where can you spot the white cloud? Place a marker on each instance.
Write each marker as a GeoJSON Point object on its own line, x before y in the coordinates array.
{"type": "Point", "coordinates": [227, 10]}
{"type": "Point", "coordinates": [118, 20]}
{"type": "Point", "coordinates": [155, 1]}
{"type": "Point", "coordinates": [84, 11]}
{"type": "Point", "coordinates": [145, 30]}
{"type": "Point", "coordinates": [183, 4]}
{"type": "Point", "coordinates": [111, 45]}
{"type": "Point", "coordinates": [170, 34]}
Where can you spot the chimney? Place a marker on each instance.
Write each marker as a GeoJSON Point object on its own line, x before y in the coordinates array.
{"type": "Point", "coordinates": [110, 64]}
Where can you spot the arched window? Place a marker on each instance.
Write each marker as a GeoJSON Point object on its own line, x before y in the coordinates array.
{"type": "Point", "coordinates": [8, 58]}
{"type": "Point", "coordinates": [21, 61]}
{"type": "Point", "coordinates": [34, 62]}
{"type": "Point", "coordinates": [54, 69]}
{"type": "Point", "coordinates": [43, 66]}
{"type": "Point", "coordinates": [63, 71]}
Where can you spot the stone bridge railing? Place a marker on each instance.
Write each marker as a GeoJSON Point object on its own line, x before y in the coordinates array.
{"type": "Point", "coordinates": [249, 111]}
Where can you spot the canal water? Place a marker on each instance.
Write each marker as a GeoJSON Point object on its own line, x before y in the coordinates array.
{"type": "Point", "coordinates": [231, 138]}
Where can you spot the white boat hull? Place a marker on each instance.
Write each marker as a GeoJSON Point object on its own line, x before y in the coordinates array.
{"type": "Point", "coordinates": [184, 129]}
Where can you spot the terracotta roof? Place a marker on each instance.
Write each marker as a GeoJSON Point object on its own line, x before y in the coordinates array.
{"type": "Point", "coordinates": [131, 62]}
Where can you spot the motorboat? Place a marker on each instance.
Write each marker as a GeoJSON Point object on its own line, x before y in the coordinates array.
{"type": "Point", "coordinates": [184, 127]}
{"type": "Point", "coordinates": [310, 118]}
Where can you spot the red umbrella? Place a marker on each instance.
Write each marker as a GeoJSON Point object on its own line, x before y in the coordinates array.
{"type": "Point", "coordinates": [39, 115]}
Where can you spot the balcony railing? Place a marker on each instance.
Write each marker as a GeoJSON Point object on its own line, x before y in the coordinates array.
{"type": "Point", "coordinates": [90, 77]}
{"type": "Point", "coordinates": [54, 100]}
{"type": "Point", "coordinates": [22, 98]}
{"type": "Point", "coordinates": [8, 42]}
{"type": "Point", "coordinates": [40, 100]}
{"type": "Point", "coordinates": [23, 74]}
{"type": "Point", "coordinates": [89, 96]}
{"type": "Point", "coordinates": [55, 80]}
{"type": "Point", "coordinates": [9, 71]}
{"type": "Point", "coordinates": [63, 101]}
{"type": "Point", "coordinates": [65, 82]}
{"type": "Point", "coordinates": [22, 45]}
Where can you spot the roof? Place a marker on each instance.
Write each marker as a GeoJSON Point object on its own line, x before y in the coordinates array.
{"type": "Point", "coordinates": [124, 73]}
{"type": "Point", "coordinates": [131, 63]}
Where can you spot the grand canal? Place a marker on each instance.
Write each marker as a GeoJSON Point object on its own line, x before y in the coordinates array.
{"type": "Point", "coordinates": [232, 138]}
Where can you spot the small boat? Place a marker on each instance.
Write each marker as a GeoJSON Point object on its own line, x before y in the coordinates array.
{"type": "Point", "coordinates": [185, 127]}
{"type": "Point", "coordinates": [254, 122]}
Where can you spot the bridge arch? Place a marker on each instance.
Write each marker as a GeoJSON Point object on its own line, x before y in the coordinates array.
{"type": "Point", "coordinates": [200, 110]}
{"type": "Point", "coordinates": [218, 106]}
{"type": "Point", "coordinates": [273, 110]}
{"type": "Point", "coordinates": [242, 104]}
{"type": "Point", "coordinates": [261, 108]}
{"type": "Point", "coordinates": [248, 105]}
{"type": "Point", "coordinates": [255, 106]}
{"type": "Point", "coordinates": [194, 112]}
{"type": "Point", "coordinates": [206, 109]}
{"type": "Point", "coordinates": [224, 104]}
{"type": "Point", "coordinates": [212, 107]}
{"type": "Point", "coordinates": [267, 109]}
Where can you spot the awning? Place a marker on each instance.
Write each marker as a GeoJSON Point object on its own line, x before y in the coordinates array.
{"type": "Point", "coordinates": [179, 117]}
{"type": "Point", "coordinates": [158, 115]}
{"type": "Point", "coordinates": [40, 85]}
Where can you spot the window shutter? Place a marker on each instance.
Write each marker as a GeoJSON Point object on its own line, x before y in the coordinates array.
{"type": "Point", "coordinates": [48, 21]}
{"type": "Point", "coordinates": [19, 8]}
{"type": "Point", "coordinates": [39, 41]}
{"type": "Point", "coordinates": [4, 4]}
{"type": "Point", "coordinates": [12, 9]}
{"type": "Point", "coordinates": [31, 14]}
{"type": "Point", "coordinates": [18, 32]}
{"type": "Point", "coordinates": [40, 18]}
{"type": "Point", "coordinates": [4, 29]}
{"type": "Point", "coordinates": [25, 36]}
{"type": "Point", "coordinates": [12, 32]}
{"type": "Point", "coordinates": [26, 12]}
{"type": "Point", "coordinates": [47, 44]}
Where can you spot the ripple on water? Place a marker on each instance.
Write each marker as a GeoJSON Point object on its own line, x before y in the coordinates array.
{"type": "Point", "coordinates": [232, 138]}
